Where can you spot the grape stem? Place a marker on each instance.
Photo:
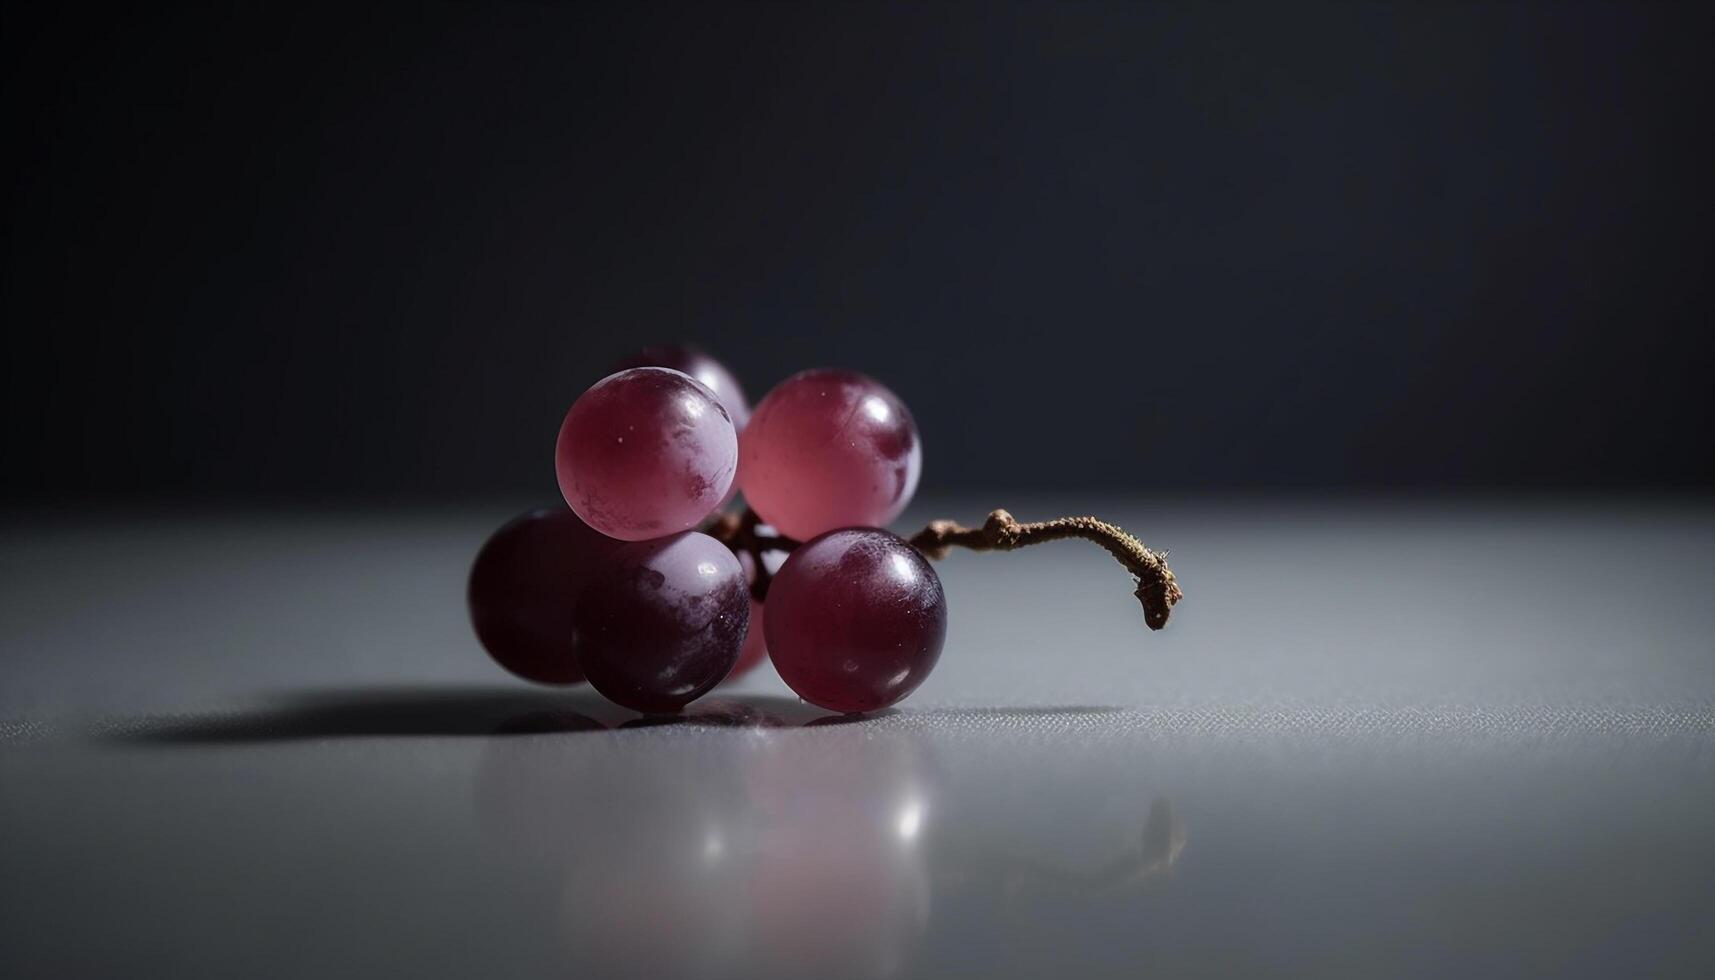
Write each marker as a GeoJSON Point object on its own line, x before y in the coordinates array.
{"type": "Point", "coordinates": [1157, 589]}
{"type": "Point", "coordinates": [741, 533]}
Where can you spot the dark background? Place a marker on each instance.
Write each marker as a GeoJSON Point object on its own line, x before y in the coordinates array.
{"type": "Point", "coordinates": [326, 253]}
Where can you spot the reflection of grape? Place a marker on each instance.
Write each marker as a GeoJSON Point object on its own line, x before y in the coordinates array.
{"type": "Point", "coordinates": [840, 883]}
{"type": "Point", "coordinates": [643, 848]}
{"type": "Point", "coordinates": [766, 850]}
{"type": "Point", "coordinates": [828, 449]}
{"type": "Point", "coordinates": [523, 585]}
{"type": "Point", "coordinates": [651, 891]}
{"type": "Point", "coordinates": [646, 453]}
{"type": "Point", "coordinates": [664, 623]}
{"type": "Point", "coordinates": [855, 620]}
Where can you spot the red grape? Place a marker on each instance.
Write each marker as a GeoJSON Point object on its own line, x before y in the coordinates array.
{"type": "Point", "coordinates": [664, 623]}
{"type": "Point", "coordinates": [646, 453]}
{"type": "Point", "coordinates": [856, 619]}
{"type": "Point", "coordinates": [697, 363]}
{"type": "Point", "coordinates": [523, 585]}
{"type": "Point", "coordinates": [829, 449]}
{"type": "Point", "coordinates": [755, 650]}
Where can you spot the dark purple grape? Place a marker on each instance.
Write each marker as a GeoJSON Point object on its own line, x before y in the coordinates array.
{"type": "Point", "coordinates": [697, 363]}
{"type": "Point", "coordinates": [829, 449]}
{"type": "Point", "coordinates": [646, 453]}
{"type": "Point", "coordinates": [523, 587]}
{"type": "Point", "coordinates": [856, 619]}
{"type": "Point", "coordinates": [664, 623]}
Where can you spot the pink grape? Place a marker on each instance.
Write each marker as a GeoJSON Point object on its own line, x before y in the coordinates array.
{"type": "Point", "coordinates": [856, 619]}
{"type": "Point", "coordinates": [664, 622]}
{"type": "Point", "coordinates": [755, 649]}
{"type": "Point", "coordinates": [523, 586]}
{"type": "Point", "coordinates": [828, 449]}
{"type": "Point", "coordinates": [712, 373]}
{"type": "Point", "coordinates": [646, 453]}
{"type": "Point", "coordinates": [699, 364]}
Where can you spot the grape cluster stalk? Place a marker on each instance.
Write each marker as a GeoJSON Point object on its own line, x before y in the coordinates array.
{"type": "Point", "coordinates": [1157, 589]}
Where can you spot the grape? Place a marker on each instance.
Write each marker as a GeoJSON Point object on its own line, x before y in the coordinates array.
{"type": "Point", "coordinates": [646, 453]}
{"type": "Point", "coordinates": [755, 650]}
{"type": "Point", "coordinates": [856, 619]}
{"type": "Point", "coordinates": [664, 623]}
{"type": "Point", "coordinates": [523, 585]}
{"type": "Point", "coordinates": [697, 363]}
{"type": "Point", "coordinates": [712, 373]}
{"type": "Point", "coordinates": [829, 449]}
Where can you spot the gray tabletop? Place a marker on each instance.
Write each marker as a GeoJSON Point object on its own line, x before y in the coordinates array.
{"type": "Point", "coordinates": [1380, 738]}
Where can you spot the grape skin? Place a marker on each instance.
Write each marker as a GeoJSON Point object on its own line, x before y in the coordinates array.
{"type": "Point", "coordinates": [828, 449]}
{"type": "Point", "coordinates": [755, 649]}
{"type": "Point", "coordinates": [856, 620]}
{"type": "Point", "coordinates": [523, 586]}
{"type": "Point", "coordinates": [714, 375]}
{"type": "Point", "coordinates": [701, 365]}
{"type": "Point", "coordinates": [646, 453]}
{"type": "Point", "coordinates": [664, 623]}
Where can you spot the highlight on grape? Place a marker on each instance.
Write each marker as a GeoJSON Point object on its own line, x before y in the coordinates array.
{"type": "Point", "coordinates": [652, 591]}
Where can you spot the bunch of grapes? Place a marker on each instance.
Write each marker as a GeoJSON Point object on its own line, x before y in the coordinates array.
{"type": "Point", "coordinates": [649, 590]}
